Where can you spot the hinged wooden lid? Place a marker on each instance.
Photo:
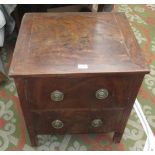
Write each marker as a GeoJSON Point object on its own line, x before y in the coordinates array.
{"type": "Point", "coordinates": [74, 43]}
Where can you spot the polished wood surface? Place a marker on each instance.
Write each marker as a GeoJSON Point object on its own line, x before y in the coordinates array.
{"type": "Point", "coordinates": [79, 92]}
{"type": "Point", "coordinates": [57, 43]}
{"type": "Point", "coordinates": [77, 54]}
{"type": "Point", "coordinates": [76, 121]}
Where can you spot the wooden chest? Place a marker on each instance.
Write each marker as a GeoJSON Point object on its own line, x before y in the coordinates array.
{"type": "Point", "coordinates": [77, 72]}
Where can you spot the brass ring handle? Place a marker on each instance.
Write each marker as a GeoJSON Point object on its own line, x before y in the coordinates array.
{"type": "Point", "coordinates": [57, 95]}
{"type": "Point", "coordinates": [97, 123]}
{"type": "Point", "coordinates": [101, 94]}
{"type": "Point", "coordinates": [57, 124]}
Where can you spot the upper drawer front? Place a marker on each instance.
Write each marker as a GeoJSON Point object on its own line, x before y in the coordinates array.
{"type": "Point", "coordinates": [96, 92]}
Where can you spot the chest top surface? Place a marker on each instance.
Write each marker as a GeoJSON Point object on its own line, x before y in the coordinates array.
{"type": "Point", "coordinates": [73, 43]}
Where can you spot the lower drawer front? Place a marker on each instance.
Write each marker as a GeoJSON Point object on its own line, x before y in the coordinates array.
{"type": "Point", "coordinates": [76, 121]}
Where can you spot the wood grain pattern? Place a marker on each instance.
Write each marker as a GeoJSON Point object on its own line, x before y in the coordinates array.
{"type": "Point", "coordinates": [79, 92]}
{"type": "Point", "coordinates": [55, 43]}
{"type": "Point", "coordinates": [80, 122]}
{"type": "Point", "coordinates": [48, 50]}
{"type": "Point", "coordinates": [132, 94]}
{"type": "Point", "coordinates": [20, 85]}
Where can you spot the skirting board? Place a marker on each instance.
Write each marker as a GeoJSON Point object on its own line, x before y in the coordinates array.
{"type": "Point", "coordinates": [150, 141]}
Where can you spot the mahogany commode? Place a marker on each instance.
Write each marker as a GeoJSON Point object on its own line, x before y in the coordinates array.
{"type": "Point", "coordinates": [77, 72]}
